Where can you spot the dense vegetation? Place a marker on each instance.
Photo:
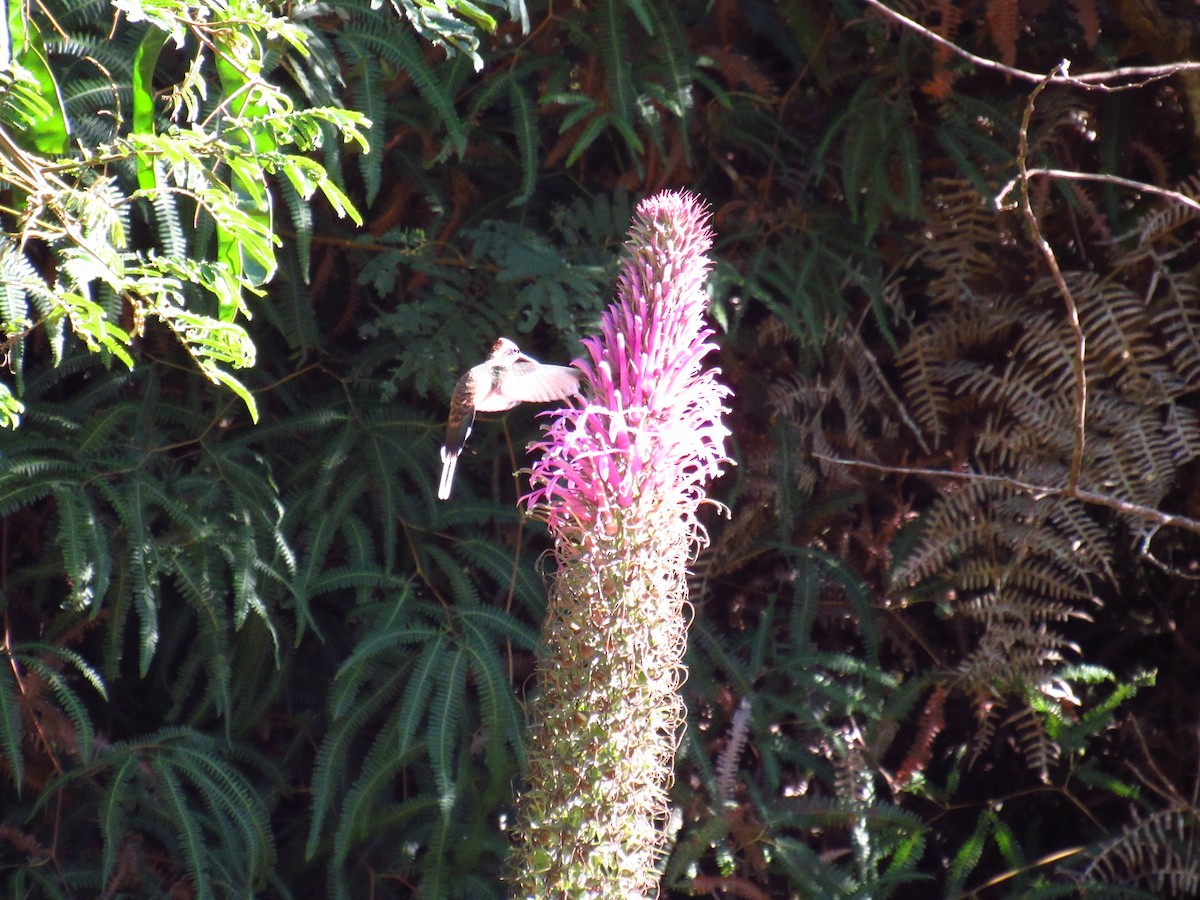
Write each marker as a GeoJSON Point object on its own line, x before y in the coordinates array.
{"type": "Point", "coordinates": [944, 641]}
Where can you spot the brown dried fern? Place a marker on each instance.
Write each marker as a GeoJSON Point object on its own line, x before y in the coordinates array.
{"type": "Point", "coordinates": [929, 726]}
{"type": "Point", "coordinates": [1157, 852]}
{"type": "Point", "coordinates": [1003, 369]}
{"type": "Point", "coordinates": [1089, 20]}
{"type": "Point", "coordinates": [1003, 19]}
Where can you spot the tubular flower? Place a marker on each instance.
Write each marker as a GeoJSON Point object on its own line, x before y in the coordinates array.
{"type": "Point", "coordinates": [619, 482]}
{"type": "Point", "coordinates": [651, 433]}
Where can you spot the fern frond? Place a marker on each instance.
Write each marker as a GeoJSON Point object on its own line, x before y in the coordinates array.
{"type": "Point", "coordinates": [362, 801]}
{"type": "Point", "coordinates": [1003, 19]}
{"type": "Point", "coordinates": [328, 769]}
{"type": "Point", "coordinates": [671, 43]}
{"type": "Point", "coordinates": [507, 572]}
{"type": "Point", "coordinates": [79, 743]}
{"type": "Point", "coordinates": [966, 238]}
{"type": "Point", "coordinates": [113, 813]}
{"type": "Point", "coordinates": [10, 722]}
{"type": "Point", "coordinates": [942, 539]}
{"type": "Point", "coordinates": [144, 579]}
{"type": "Point", "coordinates": [1113, 318]}
{"type": "Point", "coordinates": [730, 758]}
{"type": "Point", "coordinates": [443, 736]}
{"type": "Point", "coordinates": [191, 575]}
{"type": "Point", "coordinates": [172, 239]}
{"type": "Point", "coordinates": [226, 791]}
{"type": "Point", "coordinates": [501, 716]}
{"type": "Point", "coordinates": [83, 541]}
{"type": "Point", "coordinates": [487, 622]}
{"type": "Point", "coordinates": [301, 214]}
{"type": "Point", "coordinates": [422, 682]}
{"type": "Point", "coordinates": [466, 592]}
{"type": "Point", "coordinates": [1160, 224]}
{"type": "Point", "coordinates": [372, 101]}
{"type": "Point", "coordinates": [291, 310]}
{"type": "Point", "coordinates": [931, 724]}
{"type": "Point", "coordinates": [614, 51]}
{"type": "Point", "coordinates": [191, 843]}
{"type": "Point", "coordinates": [1176, 313]}
{"type": "Point", "coordinates": [375, 37]}
{"type": "Point", "coordinates": [373, 650]}
{"type": "Point", "coordinates": [1157, 851]}
{"type": "Point", "coordinates": [1040, 751]}
{"type": "Point", "coordinates": [524, 127]}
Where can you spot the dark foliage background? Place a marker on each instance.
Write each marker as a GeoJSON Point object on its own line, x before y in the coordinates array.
{"type": "Point", "coordinates": [264, 660]}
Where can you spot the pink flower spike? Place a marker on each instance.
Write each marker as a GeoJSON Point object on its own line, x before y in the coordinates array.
{"type": "Point", "coordinates": [619, 482]}
{"type": "Point", "coordinates": [649, 353]}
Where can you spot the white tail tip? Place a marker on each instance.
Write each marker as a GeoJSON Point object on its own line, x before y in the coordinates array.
{"type": "Point", "coordinates": [449, 463]}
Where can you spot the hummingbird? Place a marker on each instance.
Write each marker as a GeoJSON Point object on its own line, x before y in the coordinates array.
{"type": "Point", "coordinates": [506, 378]}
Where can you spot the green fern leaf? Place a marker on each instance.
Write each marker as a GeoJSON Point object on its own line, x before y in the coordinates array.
{"type": "Point", "coordinates": [465, 591]}
{"type": "Point", "coordinates": [172, 238]}
{"type": "Point", "coordinates": [423, 680]}
{"type": "Point", "coordinates": [245, 823]}
{"type": "Point", "coordinates": [355, 670]}
{"type": "Point", "coordinates": [301, 213]}
{"type": "Point", "coordinates": [614, 50]}
{"type": "Point", "coordinates": [83, 542]}
{"type": "Point", "coordinates": [68, 700]}
{"type": "Point", "coordinates": [113, 813]}
{"type": "Point", "coordinates": [10, 723]}
{"type": "Point", "coordinates": [362, 579]}
{"type": "Point", "coordinates": [502, 720]}
{"type": "Point", "coordinates": [144, 581]}
{"type": "Point", "coordinates": [905, 858]}
{"type": "Point", "coordinates": [595, 127]}
{"type": "Point", "coordinates": [512, 574]}
{"type": "Point", "coordinates": [381, 453]}
{"type": "Point", "coordinates": [969, 853]}
{"type": "Point", "coordinates": [525, 127]}
{"type": "Point", "coordinates": [670, 41]}
{"type": "Point", "coordinates": [371, 100]}
{"type": "Point", "coordinates": [436, 876]}
{"type": "Point", "coordinates": [368, 39]}
{"type": "Point", "coordinates": [373, 782]}
{"type": "Point", "coordinates": [488, 620]}
{"type": "Point", "coordinates": [191, 842]}
{"type": "Point", "coordinates": [193, 578]}
{"type": "Point", "coordinates": [328, 770]}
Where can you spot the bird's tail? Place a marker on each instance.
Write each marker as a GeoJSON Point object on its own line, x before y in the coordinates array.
{"type": "Point", "coordinates": [449, 463]}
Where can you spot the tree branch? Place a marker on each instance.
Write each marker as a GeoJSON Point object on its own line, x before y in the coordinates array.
{"type": "Point", "coordinates": [1080, 359]}
{"type": "Point", "coordinates": [1092, 81]}
{"type": "Point", "coordinates": [1038, 491]}
{"type": "Point", "coordinates": [1068, 175]}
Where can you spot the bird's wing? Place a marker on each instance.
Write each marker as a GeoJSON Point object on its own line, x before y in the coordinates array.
{"type": "Point", "coordinates": [462, 415]}
{"type": "Point", "coordinates": [535, 383]}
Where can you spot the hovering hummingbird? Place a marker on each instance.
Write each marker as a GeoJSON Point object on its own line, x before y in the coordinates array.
{"type": "Point", "coordinates": [507, 378]}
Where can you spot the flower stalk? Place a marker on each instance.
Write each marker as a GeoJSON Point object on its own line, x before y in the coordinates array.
{"type": "Point", "coordinates": [619, 483]}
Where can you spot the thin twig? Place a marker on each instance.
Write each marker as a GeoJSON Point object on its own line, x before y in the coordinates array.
{"type": "Point", "coordinates": [1038, 491]}
{"type": "Point", "coordinates": [1080, 360]}
{"type": "Point", "coordinates": [1048, 859]}
{"type": "Point", "coordinates": [1068, 175]}
{"type": "Point", "coordinates": [1092, 81]}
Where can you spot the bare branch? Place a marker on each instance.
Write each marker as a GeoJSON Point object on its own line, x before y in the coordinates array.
{"type": "Point", "coordinates": [1092, 81]}
{"type": "Point", "coordinates": [1038, 491]}
{"type": "Point", "coordinates": [1035, 230]}
{"type": "Point", "coordinates": [1068, 175]}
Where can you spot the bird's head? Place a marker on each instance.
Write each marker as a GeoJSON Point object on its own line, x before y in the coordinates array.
{"type": "Point", "coordinates": [504, 347]}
